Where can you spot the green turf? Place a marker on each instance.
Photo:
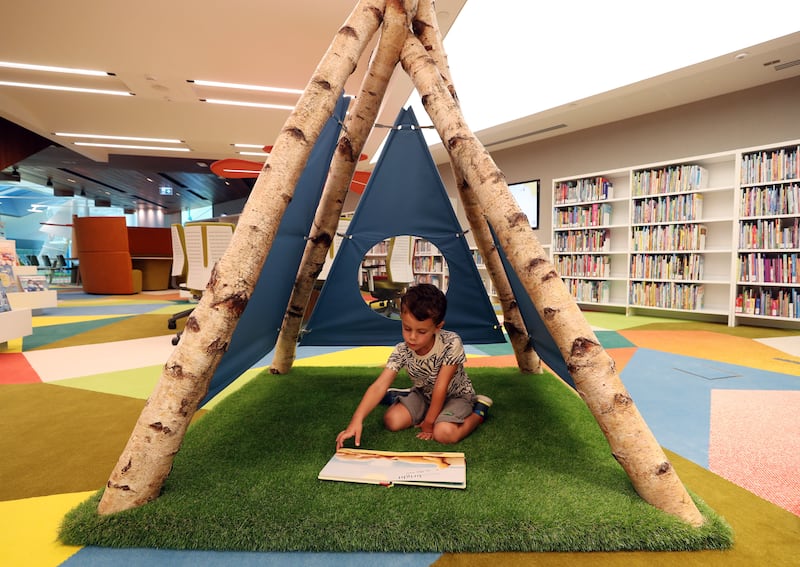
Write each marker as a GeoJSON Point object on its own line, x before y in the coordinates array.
{"type": "Point", "coordinates": [539, 478]}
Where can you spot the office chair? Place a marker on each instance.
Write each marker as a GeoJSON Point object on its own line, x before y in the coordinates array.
{"type": "Point", "coordinates": [50, 267]}
{"type": "Point", "coordinates": [179, 263]}
{"type": "Point", "coordinates": [387, 290]}
{"type": "Point", "coordinates": [60, 266]}
{"type": "Point", "coordinates": [205, 243]}
{"type": "Point", "coordinates": [180, 268]}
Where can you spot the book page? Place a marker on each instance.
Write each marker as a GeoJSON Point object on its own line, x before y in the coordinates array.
{"type": "Point", "coordinates": [446, 470]}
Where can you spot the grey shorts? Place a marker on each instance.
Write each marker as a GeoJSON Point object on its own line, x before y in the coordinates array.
{"type": "Point", "coordinates": [455, 410]}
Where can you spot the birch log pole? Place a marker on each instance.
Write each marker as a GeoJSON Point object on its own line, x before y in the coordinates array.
{"type": "Point", "coordinates": [157, 436]}
{"type": "Point", "coordinates": [357, 126]}
{"type": "Point", "coordinates": [528, 360]}
{"type": "Point", "coordinates": [426, 27]}
{"type": "Point", "coordinates": [593, 370]}
{"type": "Point", "coordinates": [147, 458]}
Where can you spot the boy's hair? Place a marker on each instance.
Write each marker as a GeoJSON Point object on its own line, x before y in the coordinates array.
{"type": "Point", "coordinates": [424, 301]}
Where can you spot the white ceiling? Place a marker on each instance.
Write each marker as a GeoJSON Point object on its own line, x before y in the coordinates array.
{"type": "Point", "coordinates": [154, 47]}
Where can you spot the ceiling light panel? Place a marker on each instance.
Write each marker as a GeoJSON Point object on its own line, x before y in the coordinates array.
{"type": "Point", "coordinates": [254, 96]}
{"type": "Point", "coordinates": [252, 104]}
{"type": "Point", "coordinates": [52, 69]}
{"type": "Point", "coordinates": [131, 147]}
{"type": "Point", "coordinates": [238, 86]}
{"type": "Point", "coordinates": [120, 138]}
{"type": "Point", "coordinates": [51, 87]}
{"type": "Point", "coordinates": [43, 77]}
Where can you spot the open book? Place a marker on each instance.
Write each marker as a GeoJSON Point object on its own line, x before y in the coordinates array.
{"type": "Point", "coordinates": [445, 470]}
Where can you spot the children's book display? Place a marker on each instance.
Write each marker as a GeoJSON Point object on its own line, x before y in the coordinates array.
{"type": "Point", "coordinates": [4, 304]}
{"type": "Point", "coordinates": [33, 283]}
{"type": "Point", "coordinates": [8, 259]}
{"type": "Point", "coordinates": [8, 283]}
{"type": "Point", "coordinates": [444, 470]}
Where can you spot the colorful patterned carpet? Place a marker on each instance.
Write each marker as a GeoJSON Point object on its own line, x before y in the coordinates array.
{"type": "Point", "coordinates": [722, 401]}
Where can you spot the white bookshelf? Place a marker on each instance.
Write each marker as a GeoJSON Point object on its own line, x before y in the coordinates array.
{"type": "Point", "coordinates": [33, 300]}
{"type": "Point", "coordinates": [767, 268]}
{"type": "Point", "coordinates": [483, 272]}
{"type": "Point", "coordinates": [374, 263]}
{"type": "Point", "coordinates": [706, 237]}
{"type": "Point", "coordinates": [589, 245]}
{"type": "Point", "coordinates": [429, 264]}
{"type": "Point", "coordinates": [15, 324]}
{"type": "Point", "coordinates": [682, 218]}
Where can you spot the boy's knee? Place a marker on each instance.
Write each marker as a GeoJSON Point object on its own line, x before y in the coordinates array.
{"type": "Point", "coordinates": [394, 420]}
{"type": "Point", "coordinates": [391, 424]}
{"type": "Point", "coordinates": [445, 433]}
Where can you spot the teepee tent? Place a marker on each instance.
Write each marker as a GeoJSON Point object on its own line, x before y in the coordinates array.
{"type": "Point", "coordinates": [257, 329]}
{"type": "Point", "coordinates": [400, 200]}
{"type": "Point", "coordinates": [146, 460]}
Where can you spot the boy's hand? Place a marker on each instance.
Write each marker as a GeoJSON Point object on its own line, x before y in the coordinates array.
{"type": "Point", "coordinates": [351, 431]}
{"type": "Point", "coordinates": [426, 431]}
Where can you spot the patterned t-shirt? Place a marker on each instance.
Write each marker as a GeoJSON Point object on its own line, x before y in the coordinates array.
{"type": "Point", "coordinates": [447, 350]}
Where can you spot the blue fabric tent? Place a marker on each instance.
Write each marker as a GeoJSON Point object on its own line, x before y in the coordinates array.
{"type": "Point", "coordinates": [257, 331]}
{"type": "Point", "coordinates": [405, 195]}
{"type": "Point", "coordinates": [539, 336]}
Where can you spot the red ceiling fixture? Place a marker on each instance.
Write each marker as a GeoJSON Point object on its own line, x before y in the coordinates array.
{"type": "Point", "coordinates": [233, 168]}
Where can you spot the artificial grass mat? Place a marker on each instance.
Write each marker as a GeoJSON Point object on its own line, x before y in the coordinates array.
{"type": "Point", "coordinates": [540, 477]}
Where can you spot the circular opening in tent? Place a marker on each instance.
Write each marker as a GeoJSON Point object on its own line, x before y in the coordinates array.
{"type": "Point", "coordinates": [391, 266]}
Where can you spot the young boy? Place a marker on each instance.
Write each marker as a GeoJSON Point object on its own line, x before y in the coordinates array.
{"type": "Point", "coordinates": [442, 401]}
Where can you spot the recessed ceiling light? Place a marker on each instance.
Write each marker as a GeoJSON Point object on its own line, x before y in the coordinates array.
{"type": "Point", "coordinates": [248, 145]}
{"type": "Point", "coordinates": [260, 154]}
{"type": "Point", "coordinates": [242, 170]}
{"type": "Point", "coordinates": [128, 138]}
{"type": "Point", "coordinates": [63, 88]}
{"type": "Point", "coordinates": [130, 147]}
{"type": "Point", "coordinates": [52, 69]}
{"type": "Point", "coordinates": [239, 86]}
{"type": "Point", "coordinates": [253, 104]}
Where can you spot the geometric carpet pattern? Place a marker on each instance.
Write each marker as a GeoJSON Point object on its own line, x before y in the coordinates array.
{"type": "Point", "coordinates": [724, 399]}
{"type": "Point", "coordinates": [759, 455]}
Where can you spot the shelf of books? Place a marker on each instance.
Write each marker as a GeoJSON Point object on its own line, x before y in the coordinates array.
{"type": "Point", "coordinates": [429, 265]}
{"type": "Point", "coordinates": [483, 271]}
{"type": "Point", "coordinates": [374, 264]}
{"type": "Point", "coordinates": [589, 246]}
{"type": "Point", "coordinates": [768, 253]}
{"type": "Point", "coordinates": [15, 320]}
{"type": "Point", "coordinates": [681, 224]}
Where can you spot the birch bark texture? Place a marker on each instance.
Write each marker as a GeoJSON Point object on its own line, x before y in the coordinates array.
{"type": "Point", "coordinates": [592, 369]}
{"type": "Point", "coordinates": [426, 28]}
{"type": "Point", "coordinates": [146, 460]}
{"type": "Point", "coordinates": [357, 128]}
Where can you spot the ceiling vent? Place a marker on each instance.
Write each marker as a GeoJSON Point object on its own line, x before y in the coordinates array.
{"type": "Point", "coordinates": [527, 134]}
{"type": "Point", "coordinates": [782, 66]}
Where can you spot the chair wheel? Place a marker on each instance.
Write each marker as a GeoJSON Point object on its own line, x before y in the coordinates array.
{"type": "Point", "coordinates": [175, 340]}
{"type": "Point", "coordinates": [172, 325]}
